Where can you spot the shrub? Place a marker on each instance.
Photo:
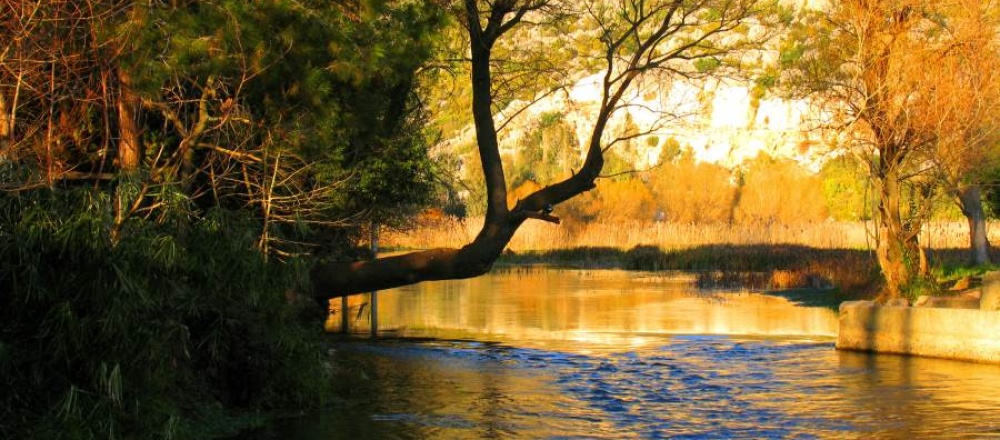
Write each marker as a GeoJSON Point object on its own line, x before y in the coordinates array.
{"type": "Point", "coordinates": [136, 337]}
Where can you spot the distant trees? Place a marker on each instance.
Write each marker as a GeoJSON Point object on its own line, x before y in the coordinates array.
{"type": "Point", "coordinates": [688, 191]}
{"type": "Point", "coordinates": [781, 191]}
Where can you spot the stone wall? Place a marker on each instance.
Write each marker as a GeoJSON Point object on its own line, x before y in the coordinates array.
{"type": "Point", "coordinates": [964, 334]}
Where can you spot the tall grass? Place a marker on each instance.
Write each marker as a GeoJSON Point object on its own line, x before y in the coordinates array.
{"type": "Point", "coordinates": [542, 236]}
{"type": "Point", "coordinates": [746, 255]}
{"type": "Point", "coordinates": [152, 336]}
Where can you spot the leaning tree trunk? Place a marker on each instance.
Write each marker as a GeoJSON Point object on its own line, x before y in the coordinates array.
{"type": "Point", "coordinates": [971, 201]}
{"type": "Point", "coordinates": [501, 221]}
{"type": "Point", "coordinates": [641, 42]}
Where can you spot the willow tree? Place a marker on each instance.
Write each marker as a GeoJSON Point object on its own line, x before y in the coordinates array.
{"type": "Point", "coordinates": [869, 65]}
{"type": "Point", "coordinates": [634, 38]}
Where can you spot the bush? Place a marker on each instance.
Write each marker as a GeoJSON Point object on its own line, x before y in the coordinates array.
{"type": "Point", "coordinates": [137, 336]}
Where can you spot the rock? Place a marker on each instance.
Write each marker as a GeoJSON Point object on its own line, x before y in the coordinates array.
{"type": "Point", "coordinates": [975, 294]}
{"type": "Point", "coordinates": [897, 302]}
{"type": "Point", "coordinates": [990, 299]}
{"type": "Point", "coordinates": [961, 284]}
{"type": "Point", "coordinates": [947, 302]}
{"type": "Point", "coordinates": [846, 306]}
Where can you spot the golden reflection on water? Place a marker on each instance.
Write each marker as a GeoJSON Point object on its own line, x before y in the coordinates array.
{"type": "Point", "coordinates": [603, 307]}
{"type": "Point", "coordinates": [612, 354]}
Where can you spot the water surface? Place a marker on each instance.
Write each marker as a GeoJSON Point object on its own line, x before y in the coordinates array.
{"type": "Point", "coordinates": [612, 354]}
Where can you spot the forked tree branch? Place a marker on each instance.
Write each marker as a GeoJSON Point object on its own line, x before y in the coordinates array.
{"type": "Point", "coordinates": [501, 221]}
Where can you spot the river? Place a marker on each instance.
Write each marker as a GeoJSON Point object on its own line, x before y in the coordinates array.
{"type": "Point", "coordinates": [560, 354]}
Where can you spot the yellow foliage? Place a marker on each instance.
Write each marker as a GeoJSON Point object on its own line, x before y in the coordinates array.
{"type": "Point", "coordinates": [692, 192]}
{"type": "Point", "coordinates": [780, 191]}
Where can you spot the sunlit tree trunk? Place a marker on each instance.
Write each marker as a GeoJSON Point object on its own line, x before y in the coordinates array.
{"type": "Point", "coordinates": [6, 127]}
{"type": "Point", "coordinates": [899, 254]}
{"type": "Point", "coordinates": [971, 201]}
{"type": "Point", "coordinates": [129, 146]}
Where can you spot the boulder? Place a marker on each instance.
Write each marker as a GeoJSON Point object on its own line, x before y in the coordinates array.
{"type": "Point", "coordinates": [947, 302]}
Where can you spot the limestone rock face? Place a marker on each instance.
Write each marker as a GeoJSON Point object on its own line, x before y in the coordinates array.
{"type": "Point", "coordinates": [718, 121]}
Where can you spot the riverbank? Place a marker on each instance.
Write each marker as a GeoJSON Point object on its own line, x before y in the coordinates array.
{"type": "Point", "coordinates": [758, 267]}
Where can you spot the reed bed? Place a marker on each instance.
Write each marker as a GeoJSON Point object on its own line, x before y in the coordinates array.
{"type": "Point", "coordinates": [541, 236]}
{"type": "Point", "coordinates": [766, 256]}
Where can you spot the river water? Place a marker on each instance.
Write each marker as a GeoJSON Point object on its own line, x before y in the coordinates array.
{"type": "Point", "coordinates": [560, 354]}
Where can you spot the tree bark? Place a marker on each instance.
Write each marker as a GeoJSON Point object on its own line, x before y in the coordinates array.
{"type": "Point", "coordinates": [129, 146]}
{"type": "Point", "coordinates": [5, 126]}
{"type": "Point", "coordinates": [971, 202]}
{"type": "Point", "coordinates": [899, 255]}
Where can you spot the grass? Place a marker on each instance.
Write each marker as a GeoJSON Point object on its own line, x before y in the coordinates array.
{"type": "Point", "coordinates": [760, 267]}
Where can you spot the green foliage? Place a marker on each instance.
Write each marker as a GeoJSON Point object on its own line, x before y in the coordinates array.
{"type": "Point", "coordinates": [136, 339]}
{"type": "Point", "coordinates": [991, 193]}
{"type": "Point", "coordinates": [846, 189]}
{"type": "Point", "coordinates": [670, 151]}
{"type": "Point", "coordinates": [143, 305]}
{"type": "Point", "coordinates": [705, 65]}
{"type": "Point", "coordinates": [549, 119]}
{"type": "Point", "coordinates": [547, 152]}
{"type": "Point", "coordinates": [791, 54]}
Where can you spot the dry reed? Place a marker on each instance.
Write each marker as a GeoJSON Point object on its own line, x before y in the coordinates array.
{"type": "Point", "coordinates": [541, 236]}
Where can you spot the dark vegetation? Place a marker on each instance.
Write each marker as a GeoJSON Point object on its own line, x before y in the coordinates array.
{"type": "Point", "coordinates": [149, 337]}
{"type": "Point", "coordinates": [166, 171]}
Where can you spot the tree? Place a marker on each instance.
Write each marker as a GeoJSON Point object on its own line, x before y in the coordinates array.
{"type": "Point", "coordinates": [153, 155]}
{"type": "Point", "coordinates": [867, 64]}
{"type": "Point", "coordinates": [965, 105]}
{"type": "Point", "coordinates": [301, 115]}
{"type": "Point", "coordinates": [636, 37]}
{"type": "Point", "coordinates": [689, 191]}
{"type": "Point", "coordinates": [778, 190]}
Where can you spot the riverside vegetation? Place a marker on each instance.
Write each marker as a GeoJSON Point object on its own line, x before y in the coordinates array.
{"type": "Point", "coordinates": [772, 256]}
{"type": "Point", "coordinates": [161, 333]}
